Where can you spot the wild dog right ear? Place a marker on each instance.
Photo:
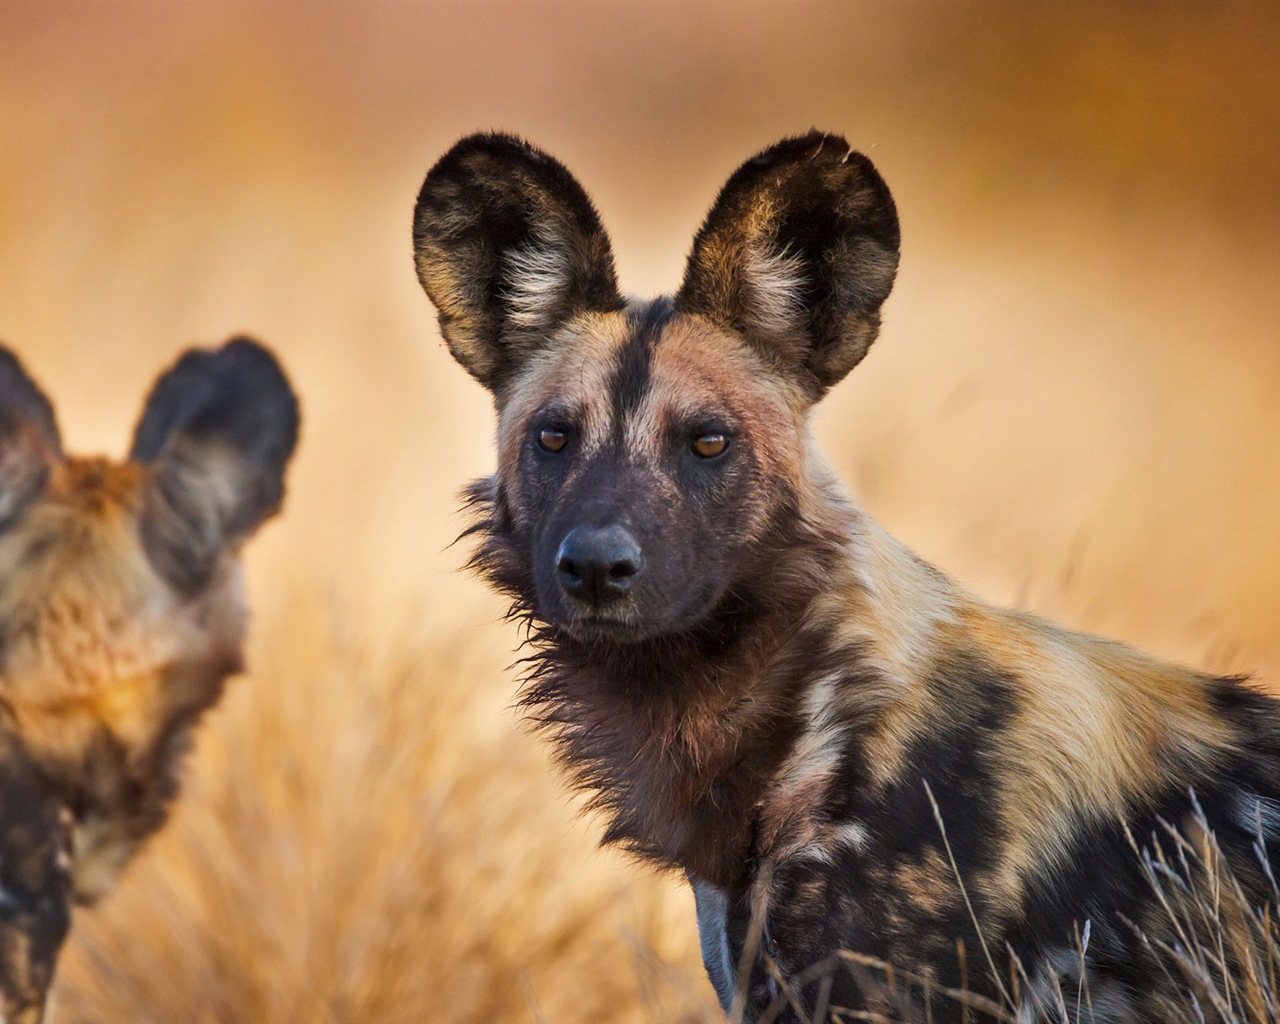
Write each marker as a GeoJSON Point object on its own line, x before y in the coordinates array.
{"type": "Point", "coordinates": [797, 255]}
{"type": "Point", "coordinates": [508, 248]}
{"type": "Point", "coordinates": [218, 430]}
{"type": "Point", "coordinates": [29, 439]}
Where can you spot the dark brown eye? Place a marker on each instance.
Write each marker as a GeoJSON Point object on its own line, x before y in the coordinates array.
{"type": "Point", "coordinates": [552, 440]}
{"type": "Point", "coordinates": [708, 446]}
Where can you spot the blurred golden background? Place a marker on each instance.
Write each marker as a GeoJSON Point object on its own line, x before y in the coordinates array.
{"type": "Point", "coordinates": [1072, 406]}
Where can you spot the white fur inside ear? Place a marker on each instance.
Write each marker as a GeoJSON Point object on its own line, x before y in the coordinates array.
{"type": "Point", "coordinates": [775, 289]}
{"type": "Point", "coordinates": [538, 278]}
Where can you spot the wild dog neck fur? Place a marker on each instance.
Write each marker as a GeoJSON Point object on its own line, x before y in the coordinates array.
{"type": "Point", "coordinates": [677, 737]}
{"type": "Point", "coordinates": [121, 616]}
{"type": "Point", "coordinates": [750, 678]}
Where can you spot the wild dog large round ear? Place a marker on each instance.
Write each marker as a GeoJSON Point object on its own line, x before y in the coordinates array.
{"type": "Point", "coordinates": [218, 429]}
{"type": "Point", "coordinates": [508, 248]}
{"type": "Point", "coordinates": [30, 442]}
{"type": "Point", "coordinates": [798, 254]}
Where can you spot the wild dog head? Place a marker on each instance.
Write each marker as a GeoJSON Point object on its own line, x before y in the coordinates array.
{"type": "Point", "coordinates": [120, 618]}
{"type": "Point", "coordinates": [648, 450]}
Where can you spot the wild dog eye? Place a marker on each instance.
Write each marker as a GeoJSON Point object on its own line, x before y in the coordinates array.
{"type": "Point", "coordinates": [709, 446]}
{"type": "Point", "coordinates": [551, 440]}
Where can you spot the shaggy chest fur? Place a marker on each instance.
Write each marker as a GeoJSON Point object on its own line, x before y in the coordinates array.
{"type": "Point", "coordinates": [680, 746]}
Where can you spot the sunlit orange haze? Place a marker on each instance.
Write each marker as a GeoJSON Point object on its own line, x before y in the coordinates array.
{"type": "Point", "coordinates": [1073, 406]}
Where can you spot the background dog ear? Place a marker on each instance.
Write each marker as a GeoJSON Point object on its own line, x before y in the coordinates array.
{"type": "Point", "coordinates": [798, 254]}
{"type": "Point", "coordinates": [218, 430]}
{"type": "Point", "coordinates": [29, 439]}
{"type": "Point", "coordinates": [508, 247]}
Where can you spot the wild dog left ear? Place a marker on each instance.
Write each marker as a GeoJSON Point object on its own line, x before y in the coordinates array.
{"type": "Point", "coordinates": [508, 247]}
{"type": "Point", "coordinates": [29, 439]}
{"type": "Point", "coordinates": [218, 430]}
{"type": "Point", "coordinates": [798, 254]}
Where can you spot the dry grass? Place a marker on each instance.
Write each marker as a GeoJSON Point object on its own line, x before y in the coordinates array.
{"type": "Point", "coordinates": [1072, 406]}
{"type": "Point", "coordinates": [1225, 949]}
{"type": "Point", "coordinates": [1219, 954]}
{"type": "Point", "coordinates": [355, 843]}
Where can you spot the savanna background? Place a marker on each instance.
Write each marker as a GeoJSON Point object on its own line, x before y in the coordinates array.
{"type": "Point", "coordinates": [1072, 407]}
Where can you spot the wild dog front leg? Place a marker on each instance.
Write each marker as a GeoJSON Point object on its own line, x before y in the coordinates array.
{"type": "Point", "coordinates": [745, 990]}
{"type": "Point", "coordinates": [34, 889]}
{"type": "Point", "coordinates": [713, 912]}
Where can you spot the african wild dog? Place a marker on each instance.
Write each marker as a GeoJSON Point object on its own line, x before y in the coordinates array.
{"type": "Point", "coordinates": [752, 680]}
{"type": "Point", "coordinates": [121, 616]}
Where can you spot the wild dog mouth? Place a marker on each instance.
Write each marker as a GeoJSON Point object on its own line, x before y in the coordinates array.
{"type": "Point", "coordinates": [594, 627]}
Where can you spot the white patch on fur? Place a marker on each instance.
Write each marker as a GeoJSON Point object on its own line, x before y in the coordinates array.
{"type": "Point", "coordinates": [829, 839]}
{"type": "Point", "coordinates": [814, 853]}
{"type": "Point", "coordinates": [804, 776]}
{"type": "Point", "coordinates": [539, 274]}
{"type": "Point", "coordinates": [99, 855]}
{"type": "Point", "coordinates": [852, 834]}
{"type": "Point", "coordinates": [775, 289]}
{"type": "Point", "coordinates": [1252, 809]}
{"type": "Point", "coordinates": [817, 752]}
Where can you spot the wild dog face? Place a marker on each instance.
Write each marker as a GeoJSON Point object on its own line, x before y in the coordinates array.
{"type": "Point", "coordinates": [120, 618]}
{"type": "Point", "coordinates": [647, 451]}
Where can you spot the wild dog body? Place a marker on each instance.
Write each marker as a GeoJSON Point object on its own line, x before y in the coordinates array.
{"type": "Point", "coordinates": [121, 616]}
{"type": "Point", "coordinates": [752, 680]}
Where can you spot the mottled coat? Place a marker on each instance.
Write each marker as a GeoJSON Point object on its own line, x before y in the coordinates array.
{"type": "Point", "coordinates": [121, 616]}
{"type": "Point", "coordinates": [756, 684]}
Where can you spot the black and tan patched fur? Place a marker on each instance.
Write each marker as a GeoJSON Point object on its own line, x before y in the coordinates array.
{"type": "Point", "coordinates": [121, 617]}
{"type": "Point", "coordinates": [854, 762]}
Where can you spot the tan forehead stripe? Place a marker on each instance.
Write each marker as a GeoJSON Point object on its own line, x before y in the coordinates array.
{"type": "Point", "coordinates": [694, 369]}
{"type": "Point", "coordinates": [698, 370]}
{"type": "Point", "coordinates": [575, 373]}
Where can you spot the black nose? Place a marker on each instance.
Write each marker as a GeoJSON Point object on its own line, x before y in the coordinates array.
{"type": "Point", "coordinates": [598, 565]}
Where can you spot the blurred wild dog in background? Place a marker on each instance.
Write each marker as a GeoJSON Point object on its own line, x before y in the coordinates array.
{"type": "Point", "coordinates": [121, 616]}
{"type": "Point", "coordinates": [756, 684]}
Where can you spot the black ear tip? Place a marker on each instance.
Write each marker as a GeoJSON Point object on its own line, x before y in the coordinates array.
{"type": "Point", "coordinates": [251, 355]}
{"type": "Point", "coordinates": [257, 375]}
{"type": "Point", "coordinates": [499, 143]}
{"type": "Point", "coordinates": [474, 152]}
{"type": "Point", "coordinates": [243, 357]}
{"type": "Point", "coordinates": [479, 154]}
{"type": "Point", "coordinates": [827, 146]}
{"type": "Point", "coordinates": [812, 145]}
{"type": "Point", "coordinates": [885, 222]}
{"type": "Point", "coordinates": [243, 343]}
{"type": "Point", "coordinates": [241, 379]}
{"type": "Point", "coordinates": [11, 368]}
